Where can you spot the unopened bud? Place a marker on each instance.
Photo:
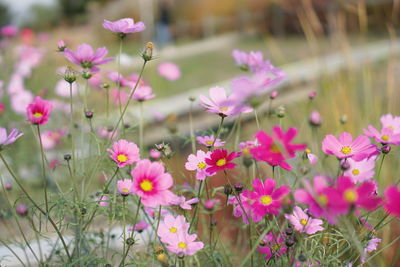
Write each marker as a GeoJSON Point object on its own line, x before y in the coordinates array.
{"type": "Point", "coordinates": [386, 149]}
{"type": "Point", "coordinates": [61, 46]}
{"type": "Point", "coordinates": [86, 75]}
{"type": "Point", "coordinates": [280, 111]}
{"type": "Point", "coordinates": [345, 166]}
{"type": "Point", "coordinates": [147, 54]}
{"type": "Point", "coordinates": [315, 119]}
{"type": "Point", "coordinates": [274, 94]}
{"type": "Point", "coordinates": [89, 114]}
{"type": "Point", "coordinates": [343, 119]}
{"type": "Point", "coordinates": [192, 98]}
{"type": "Point", "coordinates": [69, 75]}
{"type": "Point", "coordinates": [312, 95]}
{"type": "Point", "coordinates": [105, 85]}
{"type": "Point", "coordinates": [289, 242]}
{"type": "Point", "coordinates": [228, 189]}
{"type": "Point", "coordinates": [238, 188]}
{"type": "Point", "coordinates": [130, 241]}
{"type": "Point", "coordinates": [67, 157]}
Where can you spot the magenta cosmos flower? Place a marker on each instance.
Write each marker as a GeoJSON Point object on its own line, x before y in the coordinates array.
{"type": "Point", "coordinates": [392, 200]}
{"type": "Point", "coordinates": [169, 71]}
{"type": "Point", "coordinates": [9, 30]}
{"type": "Point", "coordinates": [171, 226]}
{"type": "Point", "coordinates": [266, 199]}
{"type": "Point", "coordinates": [198, 163]}
{"type": "Point", "coordinates": [125, 26]}
{"type": "Point", "coordinates": [220, 160]}
{"type": "Point", "coordinates": [272, 246]}
{"type": "Point", "coordinates": [124, 153]}
{"type": "Point", "coordinates": [86, 57]}
{"type": "Point", "coordinates": [218, 102]}
{"type": "Point", "coordinates": [384, 136]}
{"type": "Point", "coordinates": [209, 140]}
{"type": "Point", "coordinates": [125, 187]}
{"type": "Point", "coordinates": [151, 183]}
{"type": "Point", "coordinates": [345, 147]}
{"type": "Point", "coordinates": [360, 171]}
{"type": "Point", "coordinates": [277, 148]}
{"type": "Point", "coordinates": [8, 139]}
{"type": "Point", "coordinates": [39, 111]}
{"type": "Point", "coordinates": [304, 223]}
{"type": "Point", "coordinates": [244, 209]}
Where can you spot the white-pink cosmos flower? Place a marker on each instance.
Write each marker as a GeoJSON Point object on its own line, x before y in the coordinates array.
{"type": "Point", "coordinates": [198, 163]}
{"type": "Point", "coordinates": [169, 71]}
{"type": "Point", "coordinates": [304, 223]}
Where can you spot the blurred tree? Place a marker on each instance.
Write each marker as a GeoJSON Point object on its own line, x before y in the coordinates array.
{"type": "Point", "coordinates": [5, 17]}
{"type": "Point", "coordinates": [43, 17]}
{"type": "Point", "coordinates": [75, 11]}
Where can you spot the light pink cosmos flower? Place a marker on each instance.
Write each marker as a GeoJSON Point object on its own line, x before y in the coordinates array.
{"type": "Point", "coordinates": [185, 244]}
{"type": "Point", "coordinates": [107, 132]}
{"type": "Point", "coordinates": [384, 136]}
{"type": "Point", "coordinates": [143, 93]}
{"type": "Point", "coordinates": [51, 138]}
{"type": "Point", "coordinates": [139, 227]}
{"type": "Point", "coordinates": [392, 200]}
{"type": "Point", "coordinates": [209, 140]}
{"type": "Point", "coordinates": [117, 95]}
{"type": "Point", "coordinates": [10, 138]}
{"type": "Point", "coordinates": [198, 163]}
{"type": "Point", "coordinates": [360, 171]}
{"type": "Point", "coordinates": [86, 57]}
{"type": "Point", "coordinates": [39, 111]}
{"type": "Point", "coordinates": [103, 201]}
{"type": "Point", "coordinates": [9, 31]}
{"type": "Point", "coordinates": [272, 246]}
{"type": "Point", "coordinates": [125, 187]}
{"type": "Point", "coordinates": [218, 102]}
{"type": "Point", "coordinates": [20, 101]}
{"type": "Point", "coordinates": [391, 122]}
{"type": "Point", "coordinates": [125, 26]}
{"type": "Point", "coordinates": [265, 198]}
{"type": "Point", "coordinates": [304, 223]}
{"type": "Point", "coordinates": [63, 89]}
{"type": "Point", "coordinates": [371, 246]}
{"type": "Point", "coordinates": [183, 203]}
{"type": "Point", "coordinates": [152, 183]}
{"type": "Point", "coordinates": [345, 147]}
{"type": "Point", "coordinates": [253, 61]}
{"type": "Point", "coordinates": [169, 71]}
{"type": "Point", "coordinates": [171, 226]}
{"type": "Point", "coordinates": [124, 153]}
{"type": "Point", "coordinates": [312, 158]}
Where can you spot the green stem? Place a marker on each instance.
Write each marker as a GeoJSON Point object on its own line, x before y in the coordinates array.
{"type": "Point", "coordinates": [72, 127]}
{"type": "Point", "coordinates": [192, 137]}
{"type": "Point", "coordinates": [218, 132]}
{"type": "Point", "coordinates": [124, 228]}
{"type": "Point", "coordinates": [141, 128]}
{"type": "Point", "coordinates": [43, 169]}
{"type": "Point", "coordinates": [380, 167]}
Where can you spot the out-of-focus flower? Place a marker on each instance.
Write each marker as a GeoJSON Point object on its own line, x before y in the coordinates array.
{"type": "Point", "coordinates": [185, 204]}
{"type": "Point", "coordinates": [125, 187]}
{"type": "Point", "coordinates": [303, 222]}
{"type": "Point", "coordinates": [277, 148]}
{"type": "Point", "coordinates": [391, 122]}
{"type": "Point", "coordinates": [371, 246]}
{"type": "Point", "coordinates": [155, 154]}
{"type": "Point", "coordinates": [272, 246]}
{"type": "Point", "coordinates": [198, 163]}
{"type": "Point", "coordinates": [103, 201]}
{"type": "Point", "coordinates": [51, 138]}
{"type": "Point", "coordinates": [10, 138]}
{"type": "Point", "coordinates": [210, 204]}
{"type": "Point", "coordinates": [219, 103]}
{"type": "Point", "coordinates": [392, 200]}
{"type": "Point", "coordinates": [124, 153]}
{"type": "Point", "coordinates": [312, 158]}
{"type": "Point", "coordinates": [360, 171]}
{"type": "Point", "coordinates": [86, 57]}
{"type": "Point", "coordinates": [345, 147]}
{"type": "Point", "coordinates": [315, 119]}
{"type": "Point", "coordinates": [107, 132]}
{"type": "Point", "coordinates": [63, 89]}
{"type": "Point", "coordinates": [21, 209]}
{"type": "Point", "coordinates": [220, 160]}
{"type": "Point", "coordinates": [169, 71]}
{"type": "Point", "coordinates": [152, 184]}
{"type": "Point", "coordinates": [39, 111]}
{"type": "Point", "coordinates": [209, 140]}
{"type": "Point", "coordinates": [9, 31]}
{"type": "Point", "coordinates": [140, 227]}
{"type": "Point", "coordinates": [20, 101]}
{"type": "Point", "coordinates": [125, 26]}
{"type": "Point", "coordinates": [143, 93]}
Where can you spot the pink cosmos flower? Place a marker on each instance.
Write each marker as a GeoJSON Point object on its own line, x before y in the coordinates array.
{"type": "Point", "coordinates": [391, 122]}
{"type": "Point", "coordinates": [220, 160]}
{"type": "Point", "coordinates": [153, 212]}
{"type": "Point", "coordinates": [360, 171]}
{"type": "Point", "coordinates": [39, 111]}
{"type": "Point", "coordinates": [244, 209]}
{"type": "Point", "coordinates": [9, 31]}
{"type": "Point", "coordinates": [209, 140]}
{"type": "Point", "coordinates": [392, 200]}
{"type": "Point", "coordinates": [253, 61]}
{"type": "Point", "coordinates": [169, 71]}
{"type": "Point", "coordinates": [385, 136]}
{"type": "Point", "coordinates": [51, 138]}
{"type": "Point", "coordinates": [143, 93]}
{"type": "Point", "coordinates": [116, 96]}
{"type": "Point", "coordinates": [86, 57]}
{"type": "Point", "coordinates": [125, 187]}
{"type": "Point", "coordinates": [322, 199]}
{"type": "Point", "coordinates": [107, 132]}
{"type": "Point", "coordinates": [265, 198]}
{"type": "Point", "coordinates": [277, 148]}
{"type": "Point", "coordinates": [312, 158]}
{"type": "Point", "coordinates": [345, 147]}
{"type": "Point", "coordinates": [210, 204]}
{"type": "Point", "coordinates": [272, 246]}
{"type": "Point", "coordinates": [140, 226]}
{"type": "Point", "coordinates": [103, 201]}
{"type": "Point", "coordinates": [185, 244]}
{"type": "Point", "coordinates": [124, 153]}
{"type": "Point", "coordinates": [96, 80]}
{"type": "Point", "coordinates": [8, 139]}
{"type": "Point", "coordinates": [371, 246]}
{"type": "Point", "coordinates": [304, 223]}
{"type": "Point", "coordinates": [185, 204]}
{"type": "Point", "coordinates": [218, 102]}
{"type": "Point", "coordinates": [152, 183]}
{"type": "Point", "coordinates": [63, 89]}
{"type": "Point", "coordinates": [171, 226]}
{"type": "Point", "coordinates": [198, 163]}
{"type": "Point", "coordinates": [20, 101]}
{"type": "Point", "coordinates": [125, 26]}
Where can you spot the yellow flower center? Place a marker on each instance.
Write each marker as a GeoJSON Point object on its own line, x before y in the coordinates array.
{"type": "Point", "coordinates": [346, 150]}
{"type": "Point", "coordinates": [246, 151]}
{"type": "Point", "coordinates": [274, 148]}
{"type": "Point", "coordinates": [223, 109]}
{"type": "Point", "coordinates": [221, 162]}
{"type": "Point", "coordinates": [209, 142]}
{"type": "Point", "coordinates": [266, 200]}
{"type": "Point", "coordinates": [385, 138]}
{"type": "Point", "coordinates": [350, 195]}
{"type": "Point", "coordinates": [173, 230]}
{"type": "Point", "coordinates": [37, 115]}
{"type": "Point", "coordinates": [276, 246]}
{"type": "Point", "coordinates": [201, 165]}
{"type": "Point", "coordinates": [146, 185]}
{"type": "Point", "coordinates": [308, 151]}
{"type": "Point", "coordinates": [122, 158]}
{"type": "Point", "coordinates": [355, 172]}
{"type": "Point", "coordinates": [125, 190]}
{"type": "Point", "coordinates": [182, 245]}
{"type": "Point", "coordinates": [303, 222]}
{"type": "Point", "coordinates": [323, 199]}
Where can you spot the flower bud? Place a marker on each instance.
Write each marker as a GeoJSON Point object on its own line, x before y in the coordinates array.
{"type": "Point", "coordinates": [386, 149]}
{"type": "Point", "coordinates": [289, 242]}
{"type": "Point", "coordinates": [238, 188]}
{"type": "Point", "coordinates": [69, 75]}
{"type": "Point", "coordinates": [345, 165]}
{"type": "Point", "coordinates": [83, 210]}
{"type": "Point", "coordinates": [343, 119]}
{"type": "Point", "coordinates": [86, 75]}
{"type": "Point", "coordinates": [147, 54]}
{"type": "Point", "coordinates": [315, 119]}
{"type": "Point", "coordinates": [273, 95]}
{"type": "Point", "coordinates": [302, 258]}
{"type": "Point", "coordinates": [67, 157]}
{"type": "Point", "coordinates": [130, 241]}
{"type": "Point", "coordinates": [228, 189]}
{"type": "Point", "coordinates": [21, 209]}
{"type": "Point", "coordinates": [8, 187]}
{"type": "Point", "coordinates": [61, 46]}
{"type": "Point", "coordinates": [89, 114]}
{"type": "Point", "coordinates": [192, 98]}
{"type": "Point", "coordinates": [289, 231]}
{"type": "Point", "coordinates": [105, 85]}
{"type": "Point", "coordinates": [312, 95]}
{"type": "Point", "coordinates": [280, 112]}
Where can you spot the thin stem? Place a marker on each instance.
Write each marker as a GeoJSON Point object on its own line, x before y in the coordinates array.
{"type": "Point", "coordinates": [124, 228]}
{"type": "Point", "coordinates": [218, 132]}
{"type": "Point", "coordinates": [141, 128]}
{"type": "Point", "coordinates": [72, 127]}
{"type": "Point", "coordinates": [380, 167]}
{"type": "Point", "coordinates": [257, 121]}
{"type": "Point", "coordinates": [158, 223]}
{"type": "Point", "coordinates": [43, 169]}
{"type": "Point", "coordinates": [192, 139]}
{"type": "Point", "coordinates": [37, 206]}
